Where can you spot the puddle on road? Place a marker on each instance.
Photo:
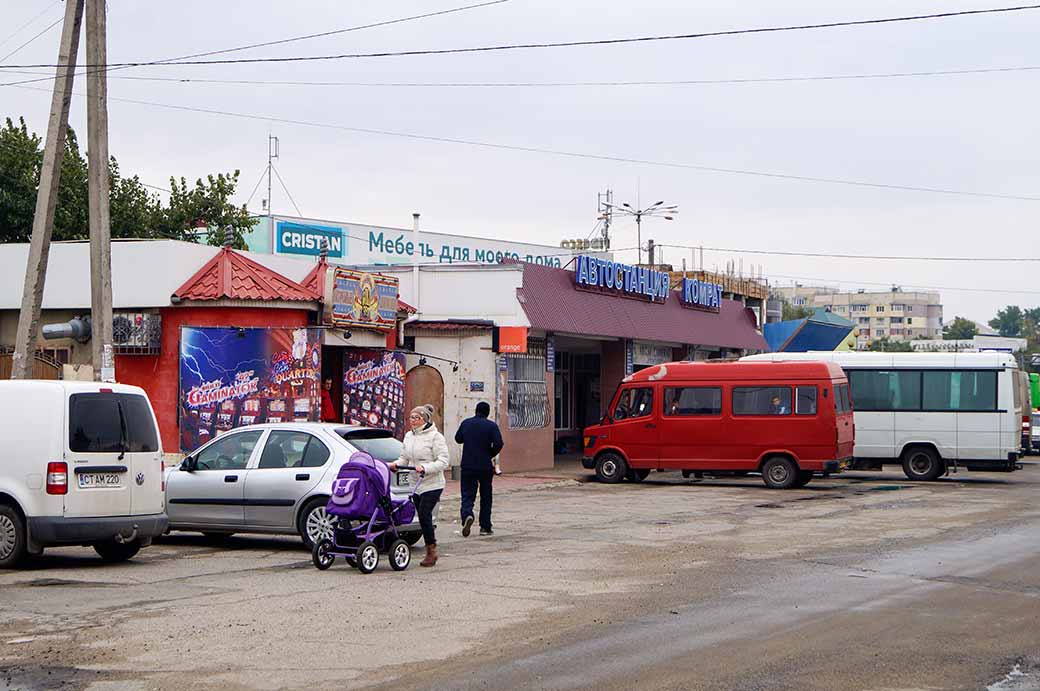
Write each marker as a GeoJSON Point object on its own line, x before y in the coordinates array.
{"type": "Point", "coordinates": [1019, 679]}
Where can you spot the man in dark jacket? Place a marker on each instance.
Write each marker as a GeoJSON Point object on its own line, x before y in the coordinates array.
{"type": "Point", "coordinates": [481, 441]}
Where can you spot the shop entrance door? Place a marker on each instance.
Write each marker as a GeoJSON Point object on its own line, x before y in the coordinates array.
{"type": "Point", "coordinates": [587, 410]}
{"type": "Point", "coordinates": [424, 385]}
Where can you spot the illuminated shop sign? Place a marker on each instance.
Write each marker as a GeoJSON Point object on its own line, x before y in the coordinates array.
{"type": "Point", "coordinates": [620, 279]}
{"type": "Point", "coordinates": [701, 295]}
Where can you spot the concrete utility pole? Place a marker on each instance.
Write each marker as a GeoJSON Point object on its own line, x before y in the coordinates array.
{"type": "Point", "coordinates": [47, 193]}
{"type": "Point", "coordinates": [97, 167]}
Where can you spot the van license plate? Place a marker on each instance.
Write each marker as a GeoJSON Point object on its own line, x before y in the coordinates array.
{"type": "Point", "coordinates": [98, 480]}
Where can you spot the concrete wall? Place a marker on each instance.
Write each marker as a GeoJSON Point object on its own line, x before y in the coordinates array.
{"type": "Point", "coordinates": [525, 449]}
{"type": "Point", "coordinates": [464, 292]}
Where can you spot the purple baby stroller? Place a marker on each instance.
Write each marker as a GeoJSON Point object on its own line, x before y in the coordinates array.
{"type": "Point", "coordinates": [367, 517]}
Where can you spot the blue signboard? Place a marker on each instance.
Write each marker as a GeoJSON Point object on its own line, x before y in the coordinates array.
{"type": "Point", "coordinates": [701, 295]}
{"type": "Point", "coordinates": [629, 358]}
{"type": "Point", "coordinates": [621, 279]}
{"type": "Point", "coordinates": [299, 238]}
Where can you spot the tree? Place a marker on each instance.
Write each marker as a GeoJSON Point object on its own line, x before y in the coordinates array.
{"type": "Point", "coordinates": [791, 312]}
{"type": "Point", "coordinates": [206, 206]}
{"type": "Point", "coordinates": [960, 329]}
{"type": "Point", "coordinates": [887, 345]}
{"type": "Point", "coordinates": [1008, 321]}
{"type": "Point", "coordinates": [134, 211]}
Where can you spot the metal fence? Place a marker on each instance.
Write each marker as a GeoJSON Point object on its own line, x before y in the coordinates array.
{"type": "Point", "coordinates": [527, 391]}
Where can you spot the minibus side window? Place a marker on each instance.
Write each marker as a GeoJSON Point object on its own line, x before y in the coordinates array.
{"type": "Point", "coordinates": [693, 400]}
{"type": "Point", "coordinates": [805, 402]}
{"type": "Point", "coordinates": [761, 400]}
{"type": "Point", "coordinates": [634, 403]}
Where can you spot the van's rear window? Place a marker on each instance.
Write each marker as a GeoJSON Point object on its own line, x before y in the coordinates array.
{"type": "Point", "coordinates": [111, 423]}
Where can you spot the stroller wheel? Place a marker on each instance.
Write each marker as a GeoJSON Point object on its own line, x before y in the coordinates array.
{"type": "Point", "coordinates": [320, 555]}
{"type": "Point", "coordinates": [400, 555]}
{"type": "Point", "coordinates": [367, 557]}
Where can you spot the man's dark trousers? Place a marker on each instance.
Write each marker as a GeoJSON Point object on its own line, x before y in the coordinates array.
{"type": "Point", "coordinates": [472, 480]}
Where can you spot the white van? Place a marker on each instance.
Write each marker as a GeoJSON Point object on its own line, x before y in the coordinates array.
{"type": "Point", "coordinates": [81, 465]}
{"type": "Point", "coordinates": [931, 411]}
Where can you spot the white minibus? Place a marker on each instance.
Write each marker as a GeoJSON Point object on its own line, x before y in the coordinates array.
{"type": "Point", "coordinates": [931, 412]}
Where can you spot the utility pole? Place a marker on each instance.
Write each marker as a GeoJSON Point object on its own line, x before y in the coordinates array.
{"type": "Point", "coordinates": [606, 213]}
{"type": "Point", "coordinates": [97, 169]}
{"type": "Point", "coordinates": [273, 145]}
{"type": "Point", "coordinates": [47, 193]}
{"type": "Point", "coordinates": [650, 251]}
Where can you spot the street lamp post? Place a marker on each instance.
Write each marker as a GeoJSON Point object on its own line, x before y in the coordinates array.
{"type": "Point", "coordinates": [657, 209]}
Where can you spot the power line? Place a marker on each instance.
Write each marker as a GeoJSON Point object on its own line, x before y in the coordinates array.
{"type": "Point", "coordinates": [918, 287]}
{"type": "Point", "coordinates": [19, 48]}
{"type": "Point", "coordinates": [563, 44]}
{"type": "Point", "coordinates": [829, 255]}
{"type": "Point", "coordinates": [12, 147]}
{"type": "Point", "coordinates": [517, 85]}
{"type": "Point", "coordinates": [17, 31]}
{"type": "Point", "coordinates": [360, 27]}
{"type": "Point", "coordinates": [573, 154]}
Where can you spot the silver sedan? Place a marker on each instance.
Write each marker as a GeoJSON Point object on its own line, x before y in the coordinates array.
{"type": "Point", "coordinates": [273, 478]}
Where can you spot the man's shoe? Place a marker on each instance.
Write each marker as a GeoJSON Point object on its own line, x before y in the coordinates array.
{"type": "Point", "coordinates": [487, 531]}
{"type": "Point", "coordinates": [467, 525]}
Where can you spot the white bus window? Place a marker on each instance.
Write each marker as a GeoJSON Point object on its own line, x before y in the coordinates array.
{"type": "Point", "coordinates": [881, 390]}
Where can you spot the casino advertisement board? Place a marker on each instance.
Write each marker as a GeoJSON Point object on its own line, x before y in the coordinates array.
{"type": "Point", "coordinates": [359, 299]}
{"type": "Point", "coordinates": [231, 377]}
{"type": "Point", "coordinates": [373, 389]}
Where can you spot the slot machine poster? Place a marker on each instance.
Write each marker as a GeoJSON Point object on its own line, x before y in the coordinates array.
{"type": "Point", "coordinates": [373, 389]}
{"type": "Point", "coordinates": [231, 377]}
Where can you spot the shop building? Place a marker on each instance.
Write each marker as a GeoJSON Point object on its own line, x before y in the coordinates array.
{"type": "Point", "coordinates": [547, 347]}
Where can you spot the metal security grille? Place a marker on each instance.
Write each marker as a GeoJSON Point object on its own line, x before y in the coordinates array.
{"type": "Point", "coordinates": [528, 394]}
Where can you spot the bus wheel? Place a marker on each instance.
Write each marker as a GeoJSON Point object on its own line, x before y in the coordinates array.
{"type": "Point", "coordinates": [922, 463]}
{"type": "Point", "coordinates": [611, 468]}
{"type": "Point", "coordinates": [637, 475]}
{"type": "Point", "coordinates": [804, 478]}
{"type": "Point", "coordinates": [779, 473]}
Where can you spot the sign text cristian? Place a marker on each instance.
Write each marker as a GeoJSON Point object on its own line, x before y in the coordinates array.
{"type": "Point", "coordinates": [298, 238]}
{"type": "Point", "coordinates": [701, 295]}
{"type": "Point", "coordinates": [624, 279]}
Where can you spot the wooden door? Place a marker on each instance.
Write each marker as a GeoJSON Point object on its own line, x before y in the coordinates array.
{"type": "Point", "coordinates": [425, 386]}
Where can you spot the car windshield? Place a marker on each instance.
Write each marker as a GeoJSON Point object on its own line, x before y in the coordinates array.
{"type": "Point", "coordinates": [377, 443]}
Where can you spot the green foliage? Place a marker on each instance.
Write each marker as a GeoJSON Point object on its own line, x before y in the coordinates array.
{"type": "Point", "coordinates": [1008, 321]}
{"type": "Point", "coordinates": [960, 329]}
{"type": "Point", "coordinates": [887, 345]}
{"type": "Point", "coordinates": [134, 211]}
{"type": "Point", "coordinates": [791, 312]}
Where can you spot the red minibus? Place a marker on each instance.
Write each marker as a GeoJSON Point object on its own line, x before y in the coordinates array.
{"type": "Point", "coordinates": [785, 420]}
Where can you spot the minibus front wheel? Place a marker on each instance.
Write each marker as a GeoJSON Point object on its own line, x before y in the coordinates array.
{"type": "Point", "coordinates": [779, 472]}
{"type": "Point", "coordinates": [611, 468]}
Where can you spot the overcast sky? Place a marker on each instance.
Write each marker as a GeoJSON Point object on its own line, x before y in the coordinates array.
{"type": "Point", "coordinates": [974, 132]}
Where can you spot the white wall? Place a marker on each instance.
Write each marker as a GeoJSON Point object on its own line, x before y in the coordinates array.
{"type": "Point", "coordinates": [471, 292]}
{"type": "Point", "coordinates": [476, 363]}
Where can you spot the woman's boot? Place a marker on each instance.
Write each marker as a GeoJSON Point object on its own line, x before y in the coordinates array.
{"type": "Point", "coordinates": [431, 556]}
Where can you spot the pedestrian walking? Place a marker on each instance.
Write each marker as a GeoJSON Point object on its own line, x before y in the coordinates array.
{"type": "Point", "coordinates": [481, 442]}
{"type": "Point", "coordinates": [425, 450]}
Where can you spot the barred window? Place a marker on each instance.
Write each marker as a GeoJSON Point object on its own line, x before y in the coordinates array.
{"type": "Point", "coordinates": [528, 395]}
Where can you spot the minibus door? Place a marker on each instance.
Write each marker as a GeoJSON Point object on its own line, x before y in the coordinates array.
{"type": "Point", "coordinates": [634, 427]}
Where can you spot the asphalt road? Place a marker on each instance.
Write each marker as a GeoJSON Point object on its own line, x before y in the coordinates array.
{"type": "Point", "coordinates": [863, 581]}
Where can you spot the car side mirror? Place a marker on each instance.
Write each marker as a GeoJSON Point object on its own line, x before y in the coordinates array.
{"type": "Point", "coordinates": [606, 419]}
{"type": "Point", "coordinates": [188, 464]}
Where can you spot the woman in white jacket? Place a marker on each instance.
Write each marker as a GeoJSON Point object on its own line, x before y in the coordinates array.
{"type": "Point", "coordinates": [425, 449]}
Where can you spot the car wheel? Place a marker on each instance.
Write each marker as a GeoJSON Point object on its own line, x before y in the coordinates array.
{"type": "Point", "coordinates": [637, 475]}
{"type": "Point", "coordinates": [320, 555]}
{"type": "Point", "coordinates": [12, 537]}
{"type": "Point", "coordinates": [400, 555]}
{"type": "Point", "coordinates": [779, 473]}
{"type": "Point", "coordinates": [367, 557]}
{"type": "Point", "coordinates": [922, 463]}
{"type": "Point", "coordinates": [315, 524]}
{"type": "Point", "coordinates": [611, 468]}
{"type": "Point", "coordinates": [114, 552]}
{"type": "Point", "coordinates": [804, 478]}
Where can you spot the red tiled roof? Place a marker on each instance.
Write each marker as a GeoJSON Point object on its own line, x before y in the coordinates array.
{"type": "Point", "coordinates": [552, 303]}
{"type": "Point", "coordinates": [315, 279]}
{"type": "Point", "coordinates": [402, 305]}
{"type": "Point", "coordinates": [455, 325]}
{"type": "Point", "coordinates": [230, 275]}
